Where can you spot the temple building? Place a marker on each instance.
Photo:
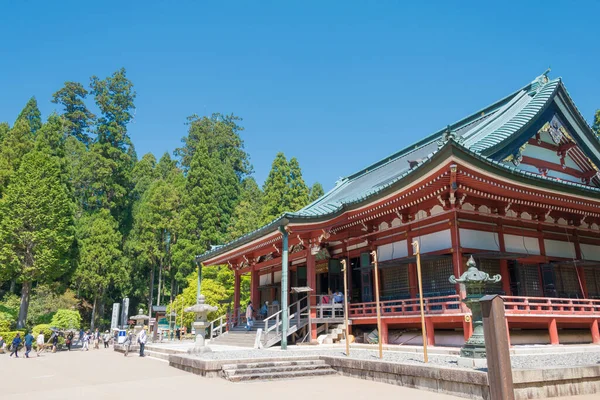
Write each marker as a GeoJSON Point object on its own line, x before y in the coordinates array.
{"type": "Point", "coordinates": [516, 185]}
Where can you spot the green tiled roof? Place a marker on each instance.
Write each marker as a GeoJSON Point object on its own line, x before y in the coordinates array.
{"type": "Point", "coordinates": [480, 135]}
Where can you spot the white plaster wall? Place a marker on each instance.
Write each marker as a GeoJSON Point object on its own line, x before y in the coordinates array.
{"type": "Point", "coordinates": [521, 244]}
{"type": "Point", "coordinates": [392, 251]}
{"type": "Point", "coordinates": [590, 252]}
{"type": "Point", "coordinates": [473, 239]}
{"type": "Point", "coordinates": [264, 279]}
{"type": "Point", "coordinates": [277, 276]}
{"type": "Point", "coordinates": [435, 241]}
{"type": "Point", "coordinates": [558, 248]}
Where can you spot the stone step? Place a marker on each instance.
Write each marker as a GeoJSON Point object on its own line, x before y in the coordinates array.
{"type": "Point", "coordinates": [274, 370]}
{"type": "Point", "coordinates": [265, 376]}
{"type": "Point", "coordinates": [157, 354]}
{"type": "Point", "coordinates": [268, 364]}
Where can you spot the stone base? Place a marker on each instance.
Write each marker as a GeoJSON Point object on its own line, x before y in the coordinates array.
{"type": "Point", "coordinates": [196, 350]}
{"type": "Point", "coordinates": [478, 363]}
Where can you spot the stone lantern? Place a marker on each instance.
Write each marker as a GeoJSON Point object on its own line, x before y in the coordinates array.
{"type": "Point", "coordinates": [200, 324]}
{"type": "Point", "coordinates": [472, 354]}
{"type": "Point", "coordinates": [139, 321]}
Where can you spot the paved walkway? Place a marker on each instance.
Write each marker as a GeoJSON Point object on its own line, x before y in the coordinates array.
{"type": "Point", "coordinates": [104, 374]}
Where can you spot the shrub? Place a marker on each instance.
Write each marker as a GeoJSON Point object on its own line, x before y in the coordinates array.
{"type": "Point", "coordinates": [43, 328]}
{"type": "Point", "coordinates": [10, 335]}
{"type": "Point", "coordinates": [66, 319]}
{"type": "Point", "coordinates": [7, 321]}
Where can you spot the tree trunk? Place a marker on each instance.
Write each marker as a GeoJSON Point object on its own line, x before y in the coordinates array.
{"type": "Point", "coordinates": [25, 292]}
{"type": "Point", "coordinates": [93, 321]}
{"type": "Point", "coordinates": [13, 284]}
{"type": "Point", "coordinates": [172, 290]}
{"type": "Point", "coordinates": [159, 284]}
{"type": "Point", "coordinates": [151, 298]}
{"type": "Point", "coordinates": [100, 306]}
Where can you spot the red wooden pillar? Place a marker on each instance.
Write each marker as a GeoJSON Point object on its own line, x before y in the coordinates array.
{"type": "Point", "coordinates": [430, 329]}
{"type": "Point", "coordinates": [384, 331]}
{"type": "Point", "coordinates": [553, 331]}
{"type": "Point", "coordinates": [311, 282]}
{"type": "Point", "coordinates": [236, 295]}
{"type": "Point", "coordinates": [580, 270]}
{"type": "Point", "coordinates": [457, 260]}
{"type": "Point", "coordinates": [595, 332]}
{"type": "Point", "coordinates": [505, 277]}
{"type": "Point", "coordinates": [254, 293]}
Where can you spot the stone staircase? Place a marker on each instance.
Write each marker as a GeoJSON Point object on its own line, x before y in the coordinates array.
{"type": "Point", "coordinates": [335, 334]}
{"type": "Point", "coordinates": [238, 336]}
{"type": "Point", "coordinates": [270, 370]}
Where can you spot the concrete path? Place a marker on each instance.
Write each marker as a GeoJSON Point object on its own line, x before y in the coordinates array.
{"type": "Point", "coordinates": [104, 374]}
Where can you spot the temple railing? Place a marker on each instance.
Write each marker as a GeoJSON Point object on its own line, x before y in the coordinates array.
{"type": "Point", "coordinates": [550, 306]}
{"type": "Point", "coordinates": [408, 307]}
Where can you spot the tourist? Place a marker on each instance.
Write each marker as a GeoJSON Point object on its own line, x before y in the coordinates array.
{"type": "Point", "coordinates": [2, 345]}
{"type": "Point", "coordinates": [28, 344]}
{"type": "Point", "coordinates": [338, 297]}
{"type": "Point", "coordinates": [142, 341]}
{"type": "Point", "coordinates": [69, 340]}
{"type": "Point", "coordinates": [86, 341]}
{"type": "Point", "coordinates": [264, 310]}
{"type": "Point", "coordinates": [249, 317]}
{"type": "Point", "coordinates": [54, 338]}
{"type": "Point", "coordinates": [41, 342]}
{"type": "Point", "coordinates": [128, 342]}
{"type": "Point", "coordinates": [15, 346]}
{"type": "Point", "coordinates": [80, 338]}
{"type": "Point", "coordinates": [97, 339]}
{"type": "Point", "coordinates": [106, 339]}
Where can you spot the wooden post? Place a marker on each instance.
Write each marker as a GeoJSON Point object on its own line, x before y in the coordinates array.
{"type": "Point", "coordinates": [595, 332]}
{"type": "Point", "coordinates": [376, 275]}
{"type": "Point", "coordinates": [236, 295]}
{"type": "Point", "coordinates": [417, 252]}
{"type": "Point", "coordinates": [497, 348]}
{"type": "Point", "coordinates": [311, 282]}
{"type": "Point", "coordinates": [345, 269]}
{"type": "Point", "coordinates": [553, 332]}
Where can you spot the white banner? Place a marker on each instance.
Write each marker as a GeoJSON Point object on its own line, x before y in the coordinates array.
{"type": "Point", "coordinates": [114, 322]}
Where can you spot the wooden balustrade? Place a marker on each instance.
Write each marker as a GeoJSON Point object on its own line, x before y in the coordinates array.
{"type": "Point", "coordinates": [407, 307]}
{"type": "Point", "coordinates": [550, 306]}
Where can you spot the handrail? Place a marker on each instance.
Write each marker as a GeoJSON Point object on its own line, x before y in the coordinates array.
{"type": "Point", "coordinates": [407, 307]}
{"type": "Point", "coordinates": [219, 328]}
{"type": "Point", "coordinates": [297, 316]}
{"type": "Point", "coordinates": [550, 305]}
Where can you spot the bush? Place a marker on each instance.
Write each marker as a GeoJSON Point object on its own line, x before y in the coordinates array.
{"type": "Point", "coordinates": [66, 319]}
{"type": "Point", "coordinates": [43, 328]}
{"type": "Point", "coordinates": [10, 335]}
{"type": "Point", "coordinates": [7, 321]}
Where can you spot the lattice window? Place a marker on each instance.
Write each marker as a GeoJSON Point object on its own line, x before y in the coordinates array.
{"type": "Point", "coordinates": [492, 267]}
{"type": "Point", "coordinates": [529, 280]}
{"type": "Point", "coordinates": [592, 282]}
{"type": "Point", "coordinates": [394, 282]}
{"type": "Point", "coordinates": [435, 276]}
{"type": "Point", "coordinates": [567, 282]}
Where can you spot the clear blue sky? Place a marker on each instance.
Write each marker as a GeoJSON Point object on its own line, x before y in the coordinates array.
{"type": "Point", "coordinates": [337, 84]}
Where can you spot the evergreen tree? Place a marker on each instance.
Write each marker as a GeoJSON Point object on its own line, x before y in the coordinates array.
{"type": "Point", "coordinates": [596, 126]}
{"type": "Point", "coordinates": [32, 115]}
{"type": "Point", "coordinates": [247, 214]}
{"type": "Point", "coordinates": [78, 118]}
{"type": "Point", "coordinates": [316, 191]}
{"type": "Point", "coordinates": [143, 174]}
{"type": "Point", "coordinates": [100, 257]}
{"type": "Point", "coordinates": [275, 190]}
{"type": "Point", "coordinates": [298, 191]}
{"type": "Point", "coordinates": [36, 229]}
{"type": "Point", "coordinates": [15, 144]}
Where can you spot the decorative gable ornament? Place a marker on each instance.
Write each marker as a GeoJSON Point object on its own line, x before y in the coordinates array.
{"type": "Point", "coordinates": [448, 135]}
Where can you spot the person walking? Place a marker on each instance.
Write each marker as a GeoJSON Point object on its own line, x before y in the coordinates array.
{"type": "Point", "coordinates": [249, 317]}
{"type": "Point", "coordinates": [54, 338]}
{"type": "Point", "coordinates": [15, 346]}
{"type": "Point", "coordinates": [41, 342]}
{"type": "Point", "coordinates": [86, 341]}
{"type": "Point", "coordinates": [69, 340]}
{"type": "Point", "coordinates": [106, 339]}
{"type": "Point", "coordinates": [142, 341]}
{"type": "Point", "coordinates": [96, 339]}
{"type": "Point", "coordinates": [128, 342]}
{"type": "Point", "coordinates": [28, 344]}
{"type": "Point", "coordinates": [80, 338]}
{"type": "Point", "coordinates": [2, 345]}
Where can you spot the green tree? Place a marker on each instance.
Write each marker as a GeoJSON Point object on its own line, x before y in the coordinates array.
{"type": "Point", "coordinates": [143, 174]}
{"type": "Point", "coordinates": [247, 214]}
{"type": "Point", "coordinates": [316, 191]}
{"type": "Point", "coordinates": [275, 190]}
{"type": "Point", "coordinates": [100, 257]}
{"type": "Point", "coordinates": [36, 231]}
{"type": "Point", "coordinates": [596, 126]}
{"type": "Point", "coordinates": [66, 319]}
{"type": "Point", "coordinates": [16, 143]}
{"type": "Point", "coordinates": [32, 115]}
{"type": "Point", "coordinates": [298, 191]}
{"type": "Point", "coordinates": [77, 116]}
